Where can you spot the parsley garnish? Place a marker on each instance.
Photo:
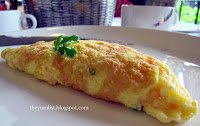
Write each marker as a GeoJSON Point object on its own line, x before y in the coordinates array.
{"type": "Point", "coordinates": [63, 45]}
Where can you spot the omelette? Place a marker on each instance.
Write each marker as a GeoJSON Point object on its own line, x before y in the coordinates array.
{"type": "Point", "coordinates": [108, 71]}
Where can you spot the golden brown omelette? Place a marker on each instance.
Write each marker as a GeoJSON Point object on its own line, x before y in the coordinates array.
{"type": "Point", "coordinates": [111, 72]}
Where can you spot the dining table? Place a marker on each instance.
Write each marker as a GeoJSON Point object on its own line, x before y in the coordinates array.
{"type": "Point", "coordinates": [25, 100]}
{"type": "Point", "coordinates": [180, 26]}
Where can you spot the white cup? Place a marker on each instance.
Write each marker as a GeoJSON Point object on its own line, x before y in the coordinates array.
{"type": "Point", "coordinates": [14, 20]}
{"type": "Point", "coordinates": [154, 17]}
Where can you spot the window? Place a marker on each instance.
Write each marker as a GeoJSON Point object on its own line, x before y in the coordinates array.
{"type": "Point", "coordinates": [189, 11]}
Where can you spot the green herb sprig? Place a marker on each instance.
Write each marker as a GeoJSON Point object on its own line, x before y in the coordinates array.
{"type": "Point", "coordinates": [63, 45]}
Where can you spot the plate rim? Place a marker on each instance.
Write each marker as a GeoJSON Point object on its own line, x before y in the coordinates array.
{"type": "Point", "coordinates": [176, 44]}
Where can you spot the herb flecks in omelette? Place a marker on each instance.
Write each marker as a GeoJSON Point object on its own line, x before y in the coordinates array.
{"type": "Point", "coordinates": [91, 71]}
{"type": "Point", "coordinates": [63, 45]}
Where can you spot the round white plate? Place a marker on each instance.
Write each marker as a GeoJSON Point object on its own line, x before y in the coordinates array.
{"type": "Point", "coordinates": [21, 94]}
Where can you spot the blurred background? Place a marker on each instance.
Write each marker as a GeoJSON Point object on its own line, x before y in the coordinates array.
{"type": "Point", "coordinates": [103, 10]}
{"type": "Point", "coordinates": [188, 10]}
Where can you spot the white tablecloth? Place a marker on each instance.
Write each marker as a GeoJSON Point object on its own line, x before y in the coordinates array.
{"type": "Point", "coordinates": [188, 28]}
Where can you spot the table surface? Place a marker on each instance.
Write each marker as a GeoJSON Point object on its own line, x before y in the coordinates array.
{"type": "Point", "coordinates": [183, 27]}
{"type": "Point", "coordinates": [188, 28]}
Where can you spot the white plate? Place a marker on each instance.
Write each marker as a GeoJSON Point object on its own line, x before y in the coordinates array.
{"type": "Point", "coordinates": [19, 91]}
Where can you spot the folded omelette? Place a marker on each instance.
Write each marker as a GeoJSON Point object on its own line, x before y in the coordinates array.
{"type": "Point", "coordinates": [108, 71]}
